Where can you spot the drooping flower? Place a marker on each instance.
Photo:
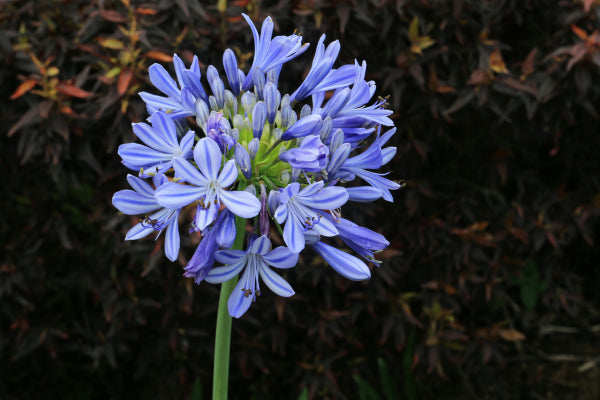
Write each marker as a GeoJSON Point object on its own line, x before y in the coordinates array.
{"type": "Point", "coordinates": [255, 262]}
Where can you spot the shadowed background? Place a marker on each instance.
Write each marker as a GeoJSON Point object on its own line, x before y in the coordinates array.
{"type": "Point", "coordinates": [489, 289]}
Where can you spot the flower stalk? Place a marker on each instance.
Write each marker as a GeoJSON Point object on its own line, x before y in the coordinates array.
{"type": "Point", "coordinates": [223, 332]}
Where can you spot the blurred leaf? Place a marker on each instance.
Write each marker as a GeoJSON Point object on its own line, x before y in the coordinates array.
{"type": "Point", "coordinates": [23, 88]}
{"type": "Point", "coordinates": [72, 90]}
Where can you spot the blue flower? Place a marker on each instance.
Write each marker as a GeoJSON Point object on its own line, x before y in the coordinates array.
{"type": "Point", "coordinates": [321, 77]}
{"type": "Point", "coordinates": [269, 54]}
{"type": "Point", "coordinates": [346, 169]}
{"type": "Point", "coordinates": [180, 100]}
{"type": "Point", "coordinates": [141, 201]}
{"type": "Point", "coordinates": [311, 156]}
{"type": "Point", "coordinates": [206, 182]}
{"type": "Point", "coordinates": [360, 239]}
{"type": "Point", "coordinates": [161, 148]}
{"type": "Point", "coordinates": [218, 129]}
{"type": "Point", "coordinates": [299, 210]}
{"type": "Point", "coordinates": [255, 262]}
{"type": "Point", "coordinates": [221, 234]}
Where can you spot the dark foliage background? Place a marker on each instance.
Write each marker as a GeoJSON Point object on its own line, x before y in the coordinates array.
{"type": "Point", "coordinates": [489, 289]}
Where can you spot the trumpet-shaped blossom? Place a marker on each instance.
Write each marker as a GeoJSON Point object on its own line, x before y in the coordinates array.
{"type": "Point", "coordinates": [255, 262]}
{"type": "Point", "coordinates": [260, 159]}
{"type": "Point", "coordinates": [299, 210]}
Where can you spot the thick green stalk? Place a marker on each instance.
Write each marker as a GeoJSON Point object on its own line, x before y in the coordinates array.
{"type": "Point", "coordinates": [223, 333]}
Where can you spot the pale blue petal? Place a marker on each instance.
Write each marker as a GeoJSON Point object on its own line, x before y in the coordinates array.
{"type": "Point", "coordinates": [261, 246]}
{"type": "Point", "coordinates": [186, 171]}
{"type": "Point", "coordinates": [329, 198]}
{"type": "Point", "coordinates": [138, 231]}
{"type": "Point", "coordinates": [241, 203]}
{"type": "Point", "coordinates": [137, 155]}
{"type": "Point", "coordinates": [225, 235]}
{"type": "Point", "coordinates": [146, 134]}
{"type": "Point", "coordinates": [173, 195]}
{"type": "Point", "coordinates": [311, 189]}
{"type": "Point", "coordinates": [161, 79]}
{"type": "Point", "coordinates": [281, 213]}
{"type": "Point", "coordinates": [187, 142]}
{"type": "Point", "coordinates": [281, 257]}
{"type": "Point", "coordinates": [345, 264]}
{"type": "Point", "coordinates": [293, 236]}
{"type": "Point", "coordinates": [223, 274]}
{"type": "Point", "coordinates": [275, 282]}
{"type": "Point", "coordinates": [140, 186]}
{"type": "Point", "coordinates": [133, 203]}
{"type": "Point", "coordinates": [228, 174]}
{"type": "Point", "coordinates": [363, 194]}
{"type": "Point", "coordinates": [208, 158]}
{"type": "Point", "coordinates": [238, 302]}
{"type": "Point", "coordinates": [160, 102]}
{"type": "Point", "coordinates": [325, 228]}
{"type": "Point", "coordinates": [172, 238]}
{"type": "Point", "coordinates": [229, 256]}
{"type": "Point", "coordinates": [165, 126]}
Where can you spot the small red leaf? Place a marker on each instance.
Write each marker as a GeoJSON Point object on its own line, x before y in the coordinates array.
{"type": "Point", "coordinates": [124, 80]}
{"type": "Point", "coordinates": [160, 56]}
{"type": "Point", "coordinates": [72, 90]}
{"type": "Point", "coordinates": [23, 88]}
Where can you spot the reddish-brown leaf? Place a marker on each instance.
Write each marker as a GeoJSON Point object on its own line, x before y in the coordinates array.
{"type": "Point", "coordinates": [579, 32]}
{"type": "Point", "coordinates": [72, 90]}
{"type": "Point", "coordinates": [158, 55]}
{"type": "Point", "coordinates": [23, 88]}
{"type": "Point", "coordinates": [124, 81]}
{"type": "Point", "coordinates": [511, 335]}
{"type": "Point", "coordinates": [113, 16]}
{"type": "Point", "coordinates": [146, 11]}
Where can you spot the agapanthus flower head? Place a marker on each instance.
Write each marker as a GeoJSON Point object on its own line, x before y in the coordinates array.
{"type": "Point", "coordinates": [283, 161]}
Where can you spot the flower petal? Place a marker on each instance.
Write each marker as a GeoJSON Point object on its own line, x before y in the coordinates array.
{"type": "Point", "coordinates": [133, 203]}
{"type": "Point", "coordinates": [140, 186]}
{"type": "Point", "coordinates": [229, 256]}
{"type": "Point", "coordinates": [330, 198]}
{"type": "Point", "coordinates": [261, 246]}
{"type": "Point", "coordinates": [228, 174]}
{"type": "Point", "coordinates": [239, 302]}
{"type": "Point", "coordinates": [138, 231]}
{"type": "Point", "coordinates": [223, 274]}
{"type": "Point", "coordinates": [161, 79]}
{"type": "Point", "coordinates": [241, 203]}
{"type": "Point", "coordinates": [173, 195]}
{"type": "Point", "coordinates": [345, 264]}
{"type": "Point", "coordinates": [165, 127]}
{"type": "Point", "coordinates": [208, 158]}
{"type": "Point", "coordinates": [146, 134]}
{"type": "Point", "coordinates": [186, 171]}
{"type": "Point", "coordinates": [281, 257]}
{"type": "Point", "coordinates": [275, 282]}
{"type": "Point", "coordinates": [293, 236]}
{"type": "Point", "coordinates": [172, 239]}
{"type": "Point", "coordinates": [136, 155]}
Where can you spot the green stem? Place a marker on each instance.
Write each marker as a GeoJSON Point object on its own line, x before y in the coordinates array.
{"type": "Point", "coordinates": [223, 333]}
